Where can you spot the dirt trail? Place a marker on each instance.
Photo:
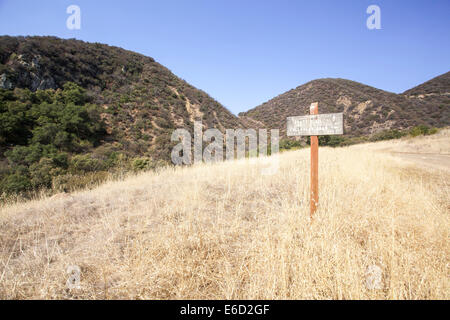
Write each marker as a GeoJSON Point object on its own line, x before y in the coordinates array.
{"type": "Point", "coordinates": [431, 151]}
{"type": "Point", "coordinates": [433, 160]}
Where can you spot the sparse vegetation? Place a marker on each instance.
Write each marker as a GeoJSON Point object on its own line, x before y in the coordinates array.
{"type": "Point", "coordinates": [439, 85]}
{"type": "Point", "coordinates": [366, 109]}
{"type": "Point", "coordinates": [422, 130]}
{"type": "Point", "coordinates": [342, 141]}
{"type": "Point", "coordinates": [388, 135]}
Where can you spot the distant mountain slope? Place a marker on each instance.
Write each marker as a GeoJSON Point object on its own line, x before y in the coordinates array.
{"type": "Point", "coordinates": [142, 100]}
{"type": "Point", "coordinates": [439, 85]}
{"type": "Point", "coordinates": [366, 109]}
{"type": "Point", "coordinates": [435, 92]}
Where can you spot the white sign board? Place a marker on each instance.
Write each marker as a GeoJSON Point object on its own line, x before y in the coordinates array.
{"type": "Point", "coordinates": [316, 125]}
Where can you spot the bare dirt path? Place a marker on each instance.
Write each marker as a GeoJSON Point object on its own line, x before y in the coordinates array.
{"type": "Point", "coordinates": [431, 151]}
{"type": "Point", "coordinates": [433, 160]}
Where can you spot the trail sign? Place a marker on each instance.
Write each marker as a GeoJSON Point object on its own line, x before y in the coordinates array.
{"type": "Point", "coordinates": [315, 125]}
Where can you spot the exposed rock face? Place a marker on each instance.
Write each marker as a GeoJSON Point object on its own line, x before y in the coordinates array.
{"type": "Point", "coordinates": [5, 83]}
{"type": "Point", "coordinates": [38, 83]}
{"type": "Point", "coordinates": [29, 74]}
{"type": "Point", "coordinates": [345, 101]}
{"type": "Point", "coordinates": [361, 107]}
{"type": "Point", "coordinates": [35, 63]}
{"type": "Point", "coordinates": [35, 81]}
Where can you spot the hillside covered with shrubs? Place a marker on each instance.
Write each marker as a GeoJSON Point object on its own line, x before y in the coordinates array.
{"type": "Point", "coordinates": [74, 112]}
{"type": "Point", "coordinates": [367, 110]}
{"type": "Point", "coordinates": [48, 138]}
{"type": "Point", "coordinates": [141, 101]}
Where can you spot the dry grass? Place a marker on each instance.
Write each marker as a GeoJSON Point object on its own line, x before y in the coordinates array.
{"type": "Point", "coordinates": [225, 231]}
{"type": "Point", "coordinates": [437, 143]}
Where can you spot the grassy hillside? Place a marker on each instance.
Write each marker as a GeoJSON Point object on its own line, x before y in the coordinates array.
{"type": "Point", "coordinates": [225, 231]}
{"type": "Point", "coordinates": [138, 103]}
{"type": "Point", "coordinates": [367, 110]}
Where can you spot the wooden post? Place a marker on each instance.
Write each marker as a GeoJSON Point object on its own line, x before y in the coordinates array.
{"type": "Point", "coordinates": [315, 125]}
{"type": "Point", "coordinates": [314, 110]}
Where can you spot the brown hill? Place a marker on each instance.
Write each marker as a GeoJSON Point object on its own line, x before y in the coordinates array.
{"type": "Point", "coordinates": [142, 100]}
{"type": "Point", "coordinates": [434, 92]}
{"type": "Point", "coordinates": [367, 110]}
{"type": "Point", "coordinates": [437, 85]}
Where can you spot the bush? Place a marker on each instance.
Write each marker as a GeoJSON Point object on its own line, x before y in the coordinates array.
{"type": "Point", "coordinates": [433, 131]}
{"type": "Point", "coordinates": [287, 144]}
{"type": "Point", "coordinates": [335, 141]}
{"type": "Point", "coordinates": [24, 155]}
{"type": "Point", "coordinates": [43, 172]}
{"type": "Point", "coordinates": [84, 164]}
{"type": "Point", "coordinates": [141, 164]}
{"type": "Point", "coordinates": [15, 183]}
{"type": "Point", "coordinates": [422, 130]}
{"type": "Point", "coordinates": [72, 182]}
{"type": "Point", "coordinates": [42, 126]}
{"type": "Point", "coordinates": [331, 141]}
{"type": "Point", "coordinates": [387, 135]}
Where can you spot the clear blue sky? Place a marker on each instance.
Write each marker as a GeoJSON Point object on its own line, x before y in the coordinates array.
{"type": "Point", "coordinates": [244, 52]}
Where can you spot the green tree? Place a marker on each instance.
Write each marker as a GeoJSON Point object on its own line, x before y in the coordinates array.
{"type": "Point", "coordinates": [15, 183]}
{"type": "Point", "coordinates": [40, 129]}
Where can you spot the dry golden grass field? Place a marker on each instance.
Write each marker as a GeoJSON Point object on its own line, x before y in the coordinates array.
{"type": "Point", "coordinates": [224, 231]}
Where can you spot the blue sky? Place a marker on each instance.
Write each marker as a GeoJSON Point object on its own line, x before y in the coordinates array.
{"type": "Point", "coordinates": [245, 52]}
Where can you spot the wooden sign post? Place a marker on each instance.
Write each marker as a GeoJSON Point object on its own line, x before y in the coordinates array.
{"type": "Point", "coordinates": [314, 185]}
{"type": "Point", "coordinates": [315, 125]}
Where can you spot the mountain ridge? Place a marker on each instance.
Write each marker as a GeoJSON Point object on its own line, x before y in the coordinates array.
{"type": "Point", "coordinates": [420, 97]}
{"type": "Point", "coordinates": [367, 110]}
{"type": "Point", "coordinates": [439, 85]}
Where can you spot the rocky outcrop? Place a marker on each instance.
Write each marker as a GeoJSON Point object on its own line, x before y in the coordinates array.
{"type": "Point", "coordinates": [5, 83]}
{"type": "Point", "coordinates": [29, 74]}
{"type": "Point", "coordinates": [41, 83]}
